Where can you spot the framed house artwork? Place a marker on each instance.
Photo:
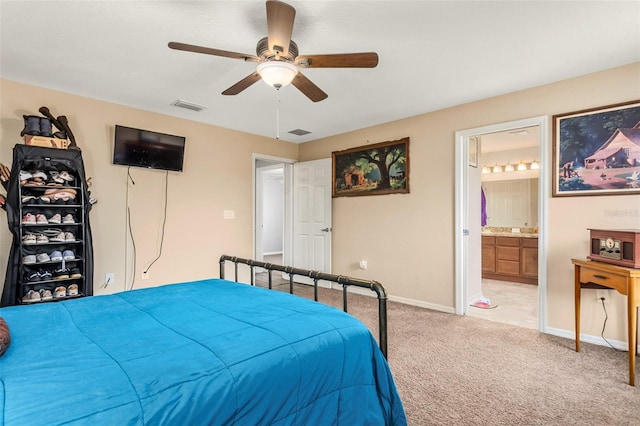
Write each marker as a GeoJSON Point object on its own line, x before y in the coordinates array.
{"type": "Point", "coordinates": [474, 145]}
{"type": "Point", "coordinates": [377, 169]}
{"type": "Point", "coordinates": [597, 151]}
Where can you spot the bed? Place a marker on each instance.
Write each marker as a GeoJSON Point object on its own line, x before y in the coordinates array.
{"type": "Point", "coordinates": [194, 353]}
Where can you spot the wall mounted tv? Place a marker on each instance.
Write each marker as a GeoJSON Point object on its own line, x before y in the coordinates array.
{"type": "Point", "coordinates": [151, 150]}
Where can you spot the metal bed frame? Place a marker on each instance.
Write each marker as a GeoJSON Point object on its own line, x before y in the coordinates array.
{"type": "Point", "coordinates": [318, 276]}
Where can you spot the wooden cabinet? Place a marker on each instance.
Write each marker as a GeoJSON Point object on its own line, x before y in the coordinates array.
{"type": "Point", "coordinates": [510, 258]}
{"type": "Point", "coordinates": [488, 254]}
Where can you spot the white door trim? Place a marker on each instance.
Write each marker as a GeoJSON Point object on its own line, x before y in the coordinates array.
{"type": "Point", "coordinates": [288, 203]}
{"type": "Point", "coordinates": [462, 214]}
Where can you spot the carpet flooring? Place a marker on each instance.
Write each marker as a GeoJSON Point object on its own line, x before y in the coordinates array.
{"type": "Point", "coordinates": [461, 370]}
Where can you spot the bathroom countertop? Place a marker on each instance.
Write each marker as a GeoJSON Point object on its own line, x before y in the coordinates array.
{"type": "Point", "coordinates": [509, 234]}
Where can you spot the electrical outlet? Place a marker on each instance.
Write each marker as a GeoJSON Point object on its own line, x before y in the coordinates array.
{"type": "Point", "coordinates": [602, 294]}
{"type": "Point", "coordinates": [109, 278]}
{"type": "Point", "coordinates": [145, 275]}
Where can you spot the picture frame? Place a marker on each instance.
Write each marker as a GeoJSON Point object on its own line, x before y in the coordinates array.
{"type": "Point", "coordinates": [597, 151]}
{"type": "Point", "coordinates": [377, 169]}
{"type": "Point", "coordinates": [474, 143]}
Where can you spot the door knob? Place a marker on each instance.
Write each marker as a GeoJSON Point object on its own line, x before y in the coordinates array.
{"type": "Point", "coordinates": [326, 230]}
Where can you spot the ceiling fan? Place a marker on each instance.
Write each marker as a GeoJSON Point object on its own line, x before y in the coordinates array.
{"type": "Point", "coordinates": [278, 59]}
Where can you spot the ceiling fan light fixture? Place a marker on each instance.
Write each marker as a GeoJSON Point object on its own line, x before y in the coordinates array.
{"type": "Point", "coordinates": [277, 73]}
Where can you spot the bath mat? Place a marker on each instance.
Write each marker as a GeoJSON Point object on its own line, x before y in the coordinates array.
{"type": "Point", "coordinates": [483, 305]}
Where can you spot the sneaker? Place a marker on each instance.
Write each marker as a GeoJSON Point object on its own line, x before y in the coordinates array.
{"type": "Point", "coordinates": [59, 292]}
{"type": "Point", "coordinates": [42, 239]}
{"type": "Point", "coordinates": [55, 176]}
{"type": "Point", "coordinates": [61, 274]}
{"type": "Point", "coordinates": [75, 273]}
{"type": "Point", "coordinates": [65, 176]}
{"type": "Point", "coordinates": [68, 236]}
{"type": "Point", "coordinates": [29, 259]}
{"type": "Point", "coordinates": [60, 237]}
{"type": "Point", "coordinates": [55, 256]}
{"type": "Point", "coordinates": [43, 257]}
{"type": "Point", "coordinates": [55, 219]}
{"type": "Point", "coordinates": [32, 276]}
{"type": "Point", "coordinates": [25, 175]}
{"type": "Point", "coordinates": [45, 275]}
{"type": "Point", "coordinates": [29, 239]}
{"type": "Point", "coordinates": [45, 294]}
{"type": "Point", "coordinates": [29, 219]}
{"type": "Point", "coordinates": [41, 219]}
{"type": "Point", "coordinates": [28, 199]}
{"type": "Point", "coordinates": [72, 290]}
{"type": "Point", "coordinates": [68, 255]}
{"type": "Point", "coordinates": [44, 200]}
{"type": "Point", "coordinates": [68, 219]}
{"type": "Point", "coordinates": [31, 297]}
{"type": "Point", "coordinates": [39, 174]}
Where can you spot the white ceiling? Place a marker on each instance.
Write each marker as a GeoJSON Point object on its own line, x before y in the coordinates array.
{"type": "Point", "coordinates": [433, 55]}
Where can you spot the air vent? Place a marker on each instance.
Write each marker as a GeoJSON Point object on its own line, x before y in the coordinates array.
{"type": "Point", "coordinates": [299, 132]}
{"type": "Point", "coordinates": [188, 105]}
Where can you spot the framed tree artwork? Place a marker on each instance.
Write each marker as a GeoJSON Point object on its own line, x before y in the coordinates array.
{"type": "Point", "coordinates": [377, 169]}
{"type": "Point", "coordinates": [597, 151]}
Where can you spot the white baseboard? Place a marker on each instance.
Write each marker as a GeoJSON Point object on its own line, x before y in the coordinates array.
{"type": "Point", "coordinates": [587, 338]}
{"type": "Point", "coordinates": [421, 304]}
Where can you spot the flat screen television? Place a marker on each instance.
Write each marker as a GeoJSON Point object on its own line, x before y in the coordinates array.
{"type": "Point", "coordinates": [151, 150]}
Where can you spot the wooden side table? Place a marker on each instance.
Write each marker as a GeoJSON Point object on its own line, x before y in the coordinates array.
{"type": "Point", "coordinates": [591, 274]}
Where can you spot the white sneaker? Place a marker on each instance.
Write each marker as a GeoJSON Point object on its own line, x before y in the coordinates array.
{"type": "Point", "coordinates": [29, 259]}
{"type": "Point", "coordinates": [56, 218]}
{"type": "Point", "coordinates": [41, 219]}
{"type": "Point", "coordinates": [68, 236]}
{"type": "Point", "coordinates": [29, 239]}
{"type": "Point", "coordinates": [43, 257]}
{"type": "Point", "coordinates": [42, 239]}
{"type": "Point", "coordinates": [68, 219]}
{"type": "Point", "coordinates": [29, 219]}
{"type": "Point", "coordinates": [59, 238]}
{"type": "Point", "coordinates": [31, 297]}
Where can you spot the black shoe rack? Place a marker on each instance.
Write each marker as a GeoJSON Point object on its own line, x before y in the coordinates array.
{"type": "Point", "coordinates": [51, 256]}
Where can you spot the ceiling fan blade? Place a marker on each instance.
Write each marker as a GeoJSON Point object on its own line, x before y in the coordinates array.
{"type": "Point", "coordinates": [242, 84]}
{"type": "Point", "coordinates": [307, 87]}
{"type": "Point", "coordinates": [339, 60]}
{"type": "Point", "coordinates": [209, 51]}
{"type": "Point", "coordinates": [280, 17]}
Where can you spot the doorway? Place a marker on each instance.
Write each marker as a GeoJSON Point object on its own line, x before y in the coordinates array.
{"type": "Point", "coordinates": [468, 224]}
{"type": "Point", "coordinates": [272, 209]}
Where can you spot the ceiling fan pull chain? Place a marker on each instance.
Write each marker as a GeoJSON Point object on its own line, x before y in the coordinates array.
{"type": "Point", "coordinates": [278, 116]}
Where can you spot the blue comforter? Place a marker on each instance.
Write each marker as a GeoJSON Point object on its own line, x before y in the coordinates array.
{"type": "Point", "coordinates": [204, 352]}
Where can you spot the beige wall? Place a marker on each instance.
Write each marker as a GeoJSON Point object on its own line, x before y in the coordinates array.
{"type": "Point", "coordinates": [408, 239]}
{"type": "Point", "coordinates": [217, 176]}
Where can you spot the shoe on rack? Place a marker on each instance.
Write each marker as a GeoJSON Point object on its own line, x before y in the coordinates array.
{"type": "Point", "coordinates": [24, 175]}
{"type": "Point", "coordinates": [44, 200]}
{"type": "Point", "coordinates": [68, 219]}
{"type": "Point", "coordinates": [55, 219]}
{"type": "Point", "coordinates": [32, 296]}
{"type": "Point", "coordinates": [41, 219]}
{"type": "Point", "coordinates": [55, 176]}
{"type": "Point", "coordinates": [55, 256]}
{"type": "Point", "coordinates": [29, 259]}
{"type": "Point", "coordinates": [60, 291]}
{"type": "Point", "coordinates": [68, 255]}
{"type": "Point", "coordinates": [64, 175]}
{"type": "Point", "coordinates": [45, 275]}
{"type": "Point", "coordinates": [29, 219]}
{"type": "Point", "coordinates": [42, 239]}
{"type": "Point", "coordinates": [72, 290]}
{"type": "Point", "coordinates": [39, 174]}
{"type": "Point", "coordinates": [61, 274]}
{"type": "Point", "coordinates": [29, 199]}
{"type": "Point", "coordinates": [29, 239]}
{"type": "Point", "coordinates": [75, 273]}
{"type": "Point", "coordinates": [45, 294]}
{"type": "Point", "coordinates": [43, 257]}
{"type": "Point", "coordinates": [58, 238]}
{"type": "Point", "coordinates": [32, 276]}
{"type": "Point", "coordinates": [68, 236]}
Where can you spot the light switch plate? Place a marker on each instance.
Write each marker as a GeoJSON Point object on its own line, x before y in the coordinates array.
{"type": "Point", "coordinates": [229, 214]}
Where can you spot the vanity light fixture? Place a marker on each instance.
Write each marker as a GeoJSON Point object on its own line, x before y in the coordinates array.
{"type": "Point", "coordinates": [508, 167]}
{"type": "Point", "coordinates": [486, 169]}
{"type": "Point", "coordinates": [534, 165]}
{"type": "Point", "coordinates": [522, 166]}
{"type": "Point", "coordinates": [497, 169]}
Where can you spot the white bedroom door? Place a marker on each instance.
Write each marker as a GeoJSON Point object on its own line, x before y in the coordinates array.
{"type": "Point", "coordinates": [312, 216]}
